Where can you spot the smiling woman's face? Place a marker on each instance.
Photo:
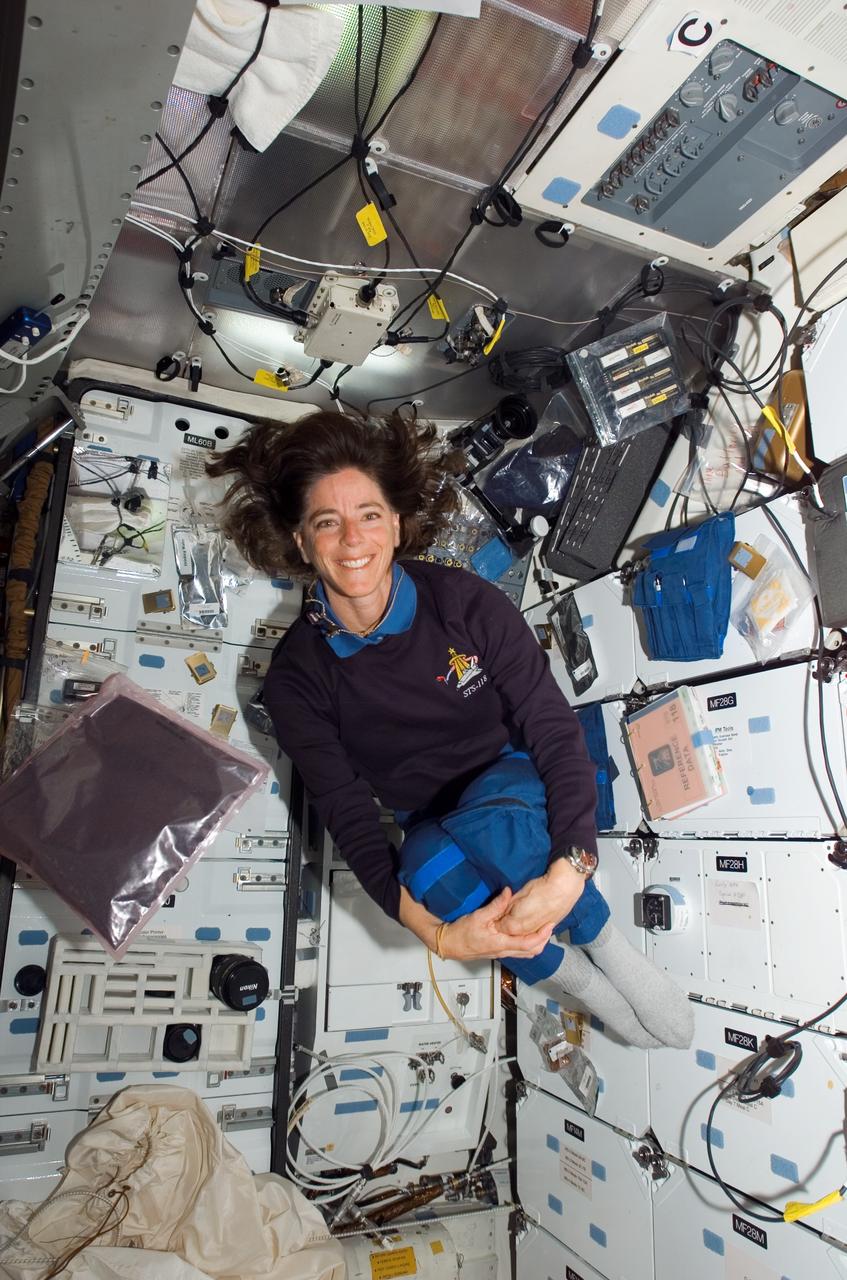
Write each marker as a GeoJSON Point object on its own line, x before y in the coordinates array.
{"type": "Point", "coordinates": [349, 535]}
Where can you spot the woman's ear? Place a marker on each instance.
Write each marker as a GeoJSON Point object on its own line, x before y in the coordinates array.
{"type": "Point", "coordinates": [395, 520]}
{"type": "Point", "coordinates": [298, 540]}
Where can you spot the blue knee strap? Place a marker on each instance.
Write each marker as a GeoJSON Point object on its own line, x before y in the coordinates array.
{"type": "Point", "coordinates": [437, 866]}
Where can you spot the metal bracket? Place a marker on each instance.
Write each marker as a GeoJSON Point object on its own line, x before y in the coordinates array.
{"type": "Point", "coordinates": [19, 1142]}
{"type": "Point", "coordinates": [169, 636]}
{"type": "Point", "coordinates": [92, 607]}
{"type": "Point", "coordinates": [288, 995]}
{"type": "Point", "coordinates": [267, 840]}
{"type": "Point", "coordinates": [247, 880]}
{"type": "Point", "coordinates": [645, 847]}
{"type": "Point", "coordinates": [55, 1087]}
{"type": "Point", "coordinates": [267, 629]}
{"type": "Point", "coordinates": [260, 1067]}
{"type": "Point", "coordinates": [652, 1160]}
{"type": "Point", "coordinates": [231, 1118]}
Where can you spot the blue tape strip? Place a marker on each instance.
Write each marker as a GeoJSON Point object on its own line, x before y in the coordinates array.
{"type": "Point", "coordinates": [759, 724]}
{"type": "Point", "coordinates": [618, 121]}
{"type": "Point", "coordinates": [660, 493]}
{"type": "Point", "coordinates": [260, 1015]}
{"type": "Point", "coordinates": [366, 1033]}
{"type": "Point", "coordinates": [207, 933]}
{"type": "Point", "coordinates": [553, 1006]}
{"type": "Point", "coordinates": [713, 1242]}
{"type": "Point", "coordinates": [105, 1077]}
{"type": "Point", "coordinates": [555, 1204]}
{"type": "Point", "coordinates": [598, 1170]}
{"type": "Point", "coordinates": [165, 1075]}
{"type": "Point", "coordinates": [417, 1105]}
{"type": "Point", "coordinates": [561, 190]}
{"type": "Point", "coordinates": [705, 1059]}
{"type": "Point", "coordinates": [785, 1168]}
{"type": "Point", "coordinates": [23, 1026]}
{"type": "Point", "coordinates": [587, 621]}
{"type": "Point", "coordinates": [762, 795]}
{"type": "Point", "coordinates": [258, 935]}
{"type": "Point", "coordinates": [150, 660]}
{"type": "Point", "coordinates": [351, 1108]}
{"type": "Point", "coordinates": [717, 1136]}
{"type": "Point", "coordinates": [33, 938]}
{"type": "Point", "coordinates": [274, 788]}
{"type": "Point", "coordinates": [553, 1142]}
{"type": "Point", "coordinates": [598, 1235]}
{"type": "Point", "coordinates": [702, 738]}
{"type": "Point", "coordinates": [355, 1073]}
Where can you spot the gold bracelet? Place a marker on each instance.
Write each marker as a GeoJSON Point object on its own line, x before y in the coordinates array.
{"type": "Point", "coordinates": [439, 932]}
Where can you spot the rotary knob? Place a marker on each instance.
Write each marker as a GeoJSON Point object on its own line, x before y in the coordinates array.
{"type": "Point", "coordinates": [727, 107]}
{"type": "Point", "coordinates": [786, 112]}
{"type": "Point", "coordinates": [721, 60]}
{"type": "Point", "coordinates": [692, 94]}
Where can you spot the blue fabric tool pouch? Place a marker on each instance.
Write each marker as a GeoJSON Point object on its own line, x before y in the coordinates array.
{"type": "Point", "coordinates": [684, 591]}
{"type": "Point", "coordinates": [594, 729]}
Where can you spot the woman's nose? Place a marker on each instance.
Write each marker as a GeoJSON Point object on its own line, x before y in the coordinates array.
{"type": "Point", "coordinates": [351, 533]}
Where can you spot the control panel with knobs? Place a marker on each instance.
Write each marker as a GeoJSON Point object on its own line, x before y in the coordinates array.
{"type": "Point", "coordinates": [735, 133]}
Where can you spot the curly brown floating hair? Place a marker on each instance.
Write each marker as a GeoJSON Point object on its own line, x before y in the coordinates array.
{"type": "Point", "coordinates": [274, 465]}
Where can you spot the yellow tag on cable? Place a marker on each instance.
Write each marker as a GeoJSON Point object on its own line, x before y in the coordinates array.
{"type": "Point", "coordinates": [437, 309]}
{"type": "Point", "coordinates": [797, 1209]}
{"type": "Point", "coordinates": [370, 224]}
{"type": "Point", "coordinates": [778, 425]}
{"type": "Point", "coordinates": [266, 378]}
{"type": "Point", "coordinates": [495, 337]}
{"type": "Point", "coordinates": [252, 261]}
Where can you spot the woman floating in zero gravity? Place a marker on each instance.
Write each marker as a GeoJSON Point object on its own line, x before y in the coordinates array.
{"type": "Point", "coordinates": [422, 685]}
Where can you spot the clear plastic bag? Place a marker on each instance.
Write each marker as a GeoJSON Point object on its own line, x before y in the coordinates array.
{"type": "Point", "coordinates": [118, 804]}
{"type": "Point", "coordinates": [630, 380]}
{"type": "Point", "coordinates": [199, 558]}
{"type": "Point", "coordinates": [70, 676]}
{"type": "Point", "coordinates": [29, 727]}
{"type": "Point", "coordinates": [766, 607]}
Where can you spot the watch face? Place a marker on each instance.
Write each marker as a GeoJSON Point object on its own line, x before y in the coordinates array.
{"type": "Point", "coordinates": [583, 860]}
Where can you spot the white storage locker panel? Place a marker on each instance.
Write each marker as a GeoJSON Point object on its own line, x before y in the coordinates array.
{"type": "Point", "coordinates": [610, 626]}
{"type": "Point", "coordinates": [623, 1095]}
{"type": "Point", "coordinates": [625, 790]}
{"type": "Point", "coordinates": [787, 1148]}
{"type": "Point", "coordinates": [737, 654]}
{"type": "Point", "coordinates": [701, 1236]}
{"type": "Point", "coordinates": [541, 1256]}
{"type": "Point", "coordinates": [378, 974]}
{"type": "Point", "coordinates": [743, 940]}
{"type": "Point", "coordinates": [579, 1179]}
{"type": "Point", "coordinates": [32, 1151]}
{"type": "Point", "coordinates": [765, 728]}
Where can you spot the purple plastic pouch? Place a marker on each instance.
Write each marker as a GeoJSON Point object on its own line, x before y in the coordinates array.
{"type": "Point", "coordinates": [118, 804]}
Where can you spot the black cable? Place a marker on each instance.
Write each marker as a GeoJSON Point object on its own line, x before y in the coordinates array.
{"type": "Point", "coordinates": [419, 390]}
{"type": "Point", "coordinates": [176, 164]}
{"type": "Point", "coordinates": [333, 168]}
{"type": "Point", "coordinates": [747, 1093]}
{"type": "Point", "coordinates": [217, 106]}
{"type": "Point", "coordinates": [532, 369]}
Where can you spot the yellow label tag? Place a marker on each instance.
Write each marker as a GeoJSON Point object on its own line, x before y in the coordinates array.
{"type": "Point", "coordinates": [778, 425]}
{"type": "Point", "coordinates": [393, 1265]}
{"type": "Point", "coordinates": [265, 378]}
{"type": "Point", "coordinates": [437, 309]}
{"type": "Point", "coordinates": [436, 1246]}
{"type": "Point", "coordinates": [370, 225]}
{"type": "Point", "coordinates": [638, 348]}
{"type": "Point", "coordinates": [252, 261]}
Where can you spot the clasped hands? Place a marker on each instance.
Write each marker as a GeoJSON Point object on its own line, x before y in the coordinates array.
{"type": "Point", "coordinates": [516, 924]}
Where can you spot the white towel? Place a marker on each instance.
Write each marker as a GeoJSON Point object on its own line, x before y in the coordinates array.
{"type": "Point", "coordinates": [299, 45]}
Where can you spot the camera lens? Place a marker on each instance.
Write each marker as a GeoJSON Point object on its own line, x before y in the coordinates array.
{"type": "Point", "coordinates": [181, 1042]}
{"type": "Point", "coordinates": [514, 418]}
{"type": "Point", "coordinates": [239, 982]}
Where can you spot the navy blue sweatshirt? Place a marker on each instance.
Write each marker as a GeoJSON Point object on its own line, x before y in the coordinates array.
{"type": "Point", "coordinates": [413, 718]}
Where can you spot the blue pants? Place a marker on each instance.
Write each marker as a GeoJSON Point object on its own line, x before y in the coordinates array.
{"type": "Point", "coordinates": [495, 837]}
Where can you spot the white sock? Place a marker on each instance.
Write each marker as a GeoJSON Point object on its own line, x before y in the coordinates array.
{"type": "Point", "coordinates": [582, 979]}
{"type": "Point", "coordinates": [659, 1004]}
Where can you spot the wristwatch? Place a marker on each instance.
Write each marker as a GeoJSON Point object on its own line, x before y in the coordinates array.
{"type": "Point", "coordinates": [583, 860]}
